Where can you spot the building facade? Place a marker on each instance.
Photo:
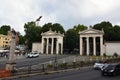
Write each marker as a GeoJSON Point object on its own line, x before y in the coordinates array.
{"type": "Point", "coordinates": [5, 40]}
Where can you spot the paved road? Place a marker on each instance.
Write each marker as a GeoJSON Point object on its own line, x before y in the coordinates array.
{"type": "Point", "coordinates": [82, 74]}
{"type": "Point", "coordinates": [32, 61]}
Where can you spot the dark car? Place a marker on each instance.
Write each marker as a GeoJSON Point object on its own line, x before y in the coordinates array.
{"type": "Point", "coordinates": [111, 70]}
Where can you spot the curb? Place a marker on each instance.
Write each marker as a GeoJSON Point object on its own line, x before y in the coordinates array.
{"type": "Point", "coordinates": [47, 72]}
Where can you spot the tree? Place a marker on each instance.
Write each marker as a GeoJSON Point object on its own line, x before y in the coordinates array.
{"type": "Point", "coordinates": [22, 39]}
{"type": "Point", "coordinates": [4, 29]}
{"type": "Point", "coordinates": [58, 27]}
{"type": "Point", "coordinates": [32, 33]}
{"type": "Point", "coordinates": [79, 27]}
{"type": "Point", "coordinates": [46, 27]}
{"type": "Point", "coordinates": [55, 27]}
{"type": "Point", "coordinates": [70, 40]}
{"type": "Point", "coordinates": [116, 33]}
{"type": "Point", "coordinates": [107, 27]}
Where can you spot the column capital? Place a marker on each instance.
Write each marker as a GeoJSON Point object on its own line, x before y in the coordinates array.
{"type": "Point", "coordinates": [94, 36]}
{"type": "Point", "coordinates": [81, 37]}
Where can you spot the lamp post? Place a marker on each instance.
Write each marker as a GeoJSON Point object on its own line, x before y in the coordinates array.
{"type": "Point", "coordinates": [37, 20]}
{"type": "Point", "coordinates": [10, 65]}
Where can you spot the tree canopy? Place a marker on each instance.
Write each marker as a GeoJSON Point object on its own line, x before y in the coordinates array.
{"type": "Point", "coordinates": [32, 33]}
{"type": "Point", "coordinates": [55, 27]}
{"type": "Point", "coordinates": [111, 33]}
{"type": "Point", "coordinates": [4, 29]}
{"type": "Point", "coordinates": [71, 39]}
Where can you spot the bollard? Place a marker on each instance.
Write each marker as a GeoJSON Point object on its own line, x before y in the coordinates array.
{"type": "Point", "coordinates": [74, 64]}
{"type": "Point", "coordinates": [81, 64]}
{"type": "Point", "coordinates": [55, 65]}
{"type": "Point", "coordinates": [43, 68]}
{"type": "Point", "coordinates": [65, 65]}
{"type": "Point", "coordinates": [29, 69]}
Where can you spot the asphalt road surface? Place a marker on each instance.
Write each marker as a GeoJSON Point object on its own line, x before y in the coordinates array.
{"type": "Point", "coordinates": [82, 74]}
{"type": "Point", "coordinates": [32, 61]}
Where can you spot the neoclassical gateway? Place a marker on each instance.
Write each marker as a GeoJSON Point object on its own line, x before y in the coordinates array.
{"type": "Point", "coordinates": [52, 43]}
{"type": "Point", "coordinates": [91, 43]}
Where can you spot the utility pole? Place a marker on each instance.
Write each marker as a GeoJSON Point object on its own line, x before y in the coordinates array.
{"type": "Point", "coordinates": [10, 65]}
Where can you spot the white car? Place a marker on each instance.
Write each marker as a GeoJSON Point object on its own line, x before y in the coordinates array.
{"type": "Point", "coordinates": [33, 54]}
{"type": "Point", "coordinates": [99, 65]}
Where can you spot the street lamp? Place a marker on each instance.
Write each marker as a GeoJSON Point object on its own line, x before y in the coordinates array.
{"type": "Point", "coordinates": [37, 20]}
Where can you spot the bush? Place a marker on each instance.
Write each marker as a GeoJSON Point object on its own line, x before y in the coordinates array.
{"type": "Point", "coordinates": [49, 65]}
{"type": "Point", "coordinates": [115, 54]}
{"type": "Point", "coordinates": [62, 65]}
{"type": "Point", "coordinates": [104, 55]}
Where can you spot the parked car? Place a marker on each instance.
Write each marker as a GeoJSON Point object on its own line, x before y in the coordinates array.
{"type": "Point", "coordinates": [99, 65]}
{"type": "Point", "coordinates": [33, 54]}
{"type": "Point", "coordinates": [111, 70]}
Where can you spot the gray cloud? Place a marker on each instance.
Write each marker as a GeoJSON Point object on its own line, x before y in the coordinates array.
{"type": "Point", "coordinates": [66, 12]}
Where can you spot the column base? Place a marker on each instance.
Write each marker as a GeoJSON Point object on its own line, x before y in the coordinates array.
{"type": "Point", "coordinates": [10, 66]}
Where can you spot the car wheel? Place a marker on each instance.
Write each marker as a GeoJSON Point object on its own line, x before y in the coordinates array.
{"type": "Point", "coordinates": [114, 74]}
{"type": "Point", "coordinates": [102, 74]}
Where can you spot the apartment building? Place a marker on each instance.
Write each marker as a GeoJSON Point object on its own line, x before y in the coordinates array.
{"type": "Point", "coordinates": [5, 40]}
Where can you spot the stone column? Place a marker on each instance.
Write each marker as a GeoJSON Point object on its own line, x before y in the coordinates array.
{"type": "Point", "coordinates": [57, 46]}
{"type": "Point", "coordinates": [87, 46]}
{"type": "Point", "coordinates": [10, 65]}
{"type": "Point", "coordinates": [81, 47]}
{"type": "Point", "coordinates": [42, 50]}
{"type": "Point", "coordinates": [62, 46]}
{"type": "Point", "coordinates": [94, 46]}
{"type": "Point", "coordinates": [101, 45]}
{"type": "Point", "coordinates": [52, 46]}
{"type": "Point", "coordinates": [47, 45]}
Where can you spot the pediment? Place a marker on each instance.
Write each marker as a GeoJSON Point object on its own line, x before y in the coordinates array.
{"type": "Point", "coordinates": [51, 33]}
{"type": "Point", "coordinates": [91, 31]}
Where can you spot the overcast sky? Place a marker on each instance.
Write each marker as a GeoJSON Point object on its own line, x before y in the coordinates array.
{"type": "Point", "coordinates": [66, 12]}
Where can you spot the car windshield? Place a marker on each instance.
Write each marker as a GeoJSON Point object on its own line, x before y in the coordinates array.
{"type": "Point", "coordinates": [110, 66]}
{"type": "Point", "coordinates": [99, 61]}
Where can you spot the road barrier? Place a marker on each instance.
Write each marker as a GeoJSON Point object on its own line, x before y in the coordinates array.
{"type": "Point", "coordinates": [5, 73]}
{"type": "Point", "coordinates": [53, 66]}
